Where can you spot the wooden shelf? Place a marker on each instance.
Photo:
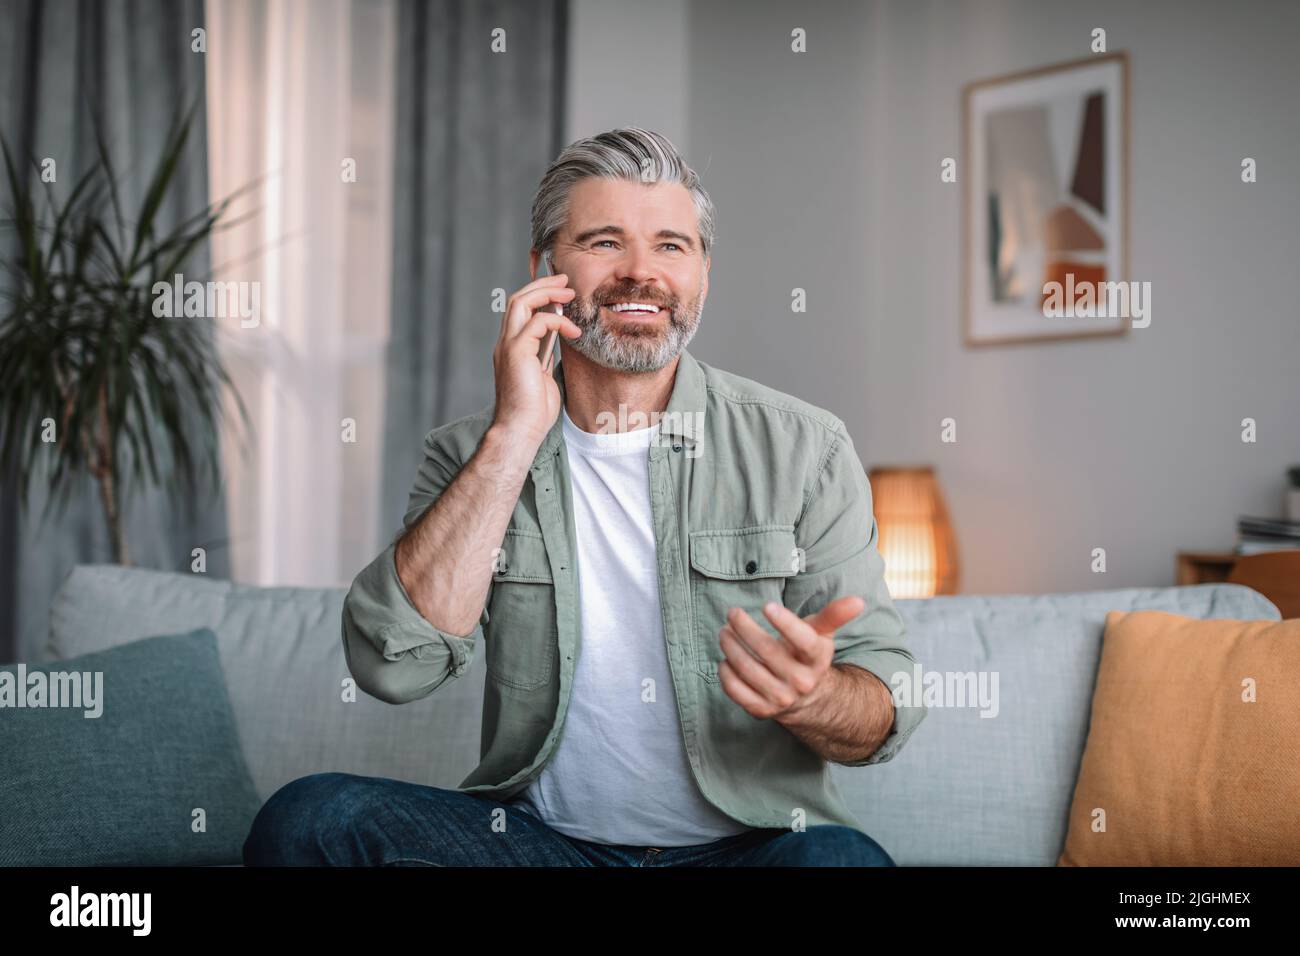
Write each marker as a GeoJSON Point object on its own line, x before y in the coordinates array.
{"type": "Point", "coordinates": [1274, 574]}
{"type": "Point", "coordinates": [1203, 567]}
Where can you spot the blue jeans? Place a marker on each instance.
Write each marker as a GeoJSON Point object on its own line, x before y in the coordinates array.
{"type": "Point", "coordinates": [342, 819]}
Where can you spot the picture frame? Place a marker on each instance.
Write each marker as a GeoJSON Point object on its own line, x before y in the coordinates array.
{"type": "Point", "coordinates": [1045, 198]}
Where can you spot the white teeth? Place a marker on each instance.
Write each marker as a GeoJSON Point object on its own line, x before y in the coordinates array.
{"type": "Point", "coordinates": [633, 307]}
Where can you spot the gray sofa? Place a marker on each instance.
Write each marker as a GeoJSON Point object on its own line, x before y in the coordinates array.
{"type": "Point", "coordinates": [966, 790]}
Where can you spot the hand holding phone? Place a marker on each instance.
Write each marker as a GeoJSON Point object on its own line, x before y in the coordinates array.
{"type": "Point", "coordinates": [528, 397]}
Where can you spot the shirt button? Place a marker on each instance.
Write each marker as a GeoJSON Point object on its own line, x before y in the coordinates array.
{"type": "Point", "coordinates": [505, 566]}
{"type": "Point", "coordinates": [677, 447]}
{"type": "Point", "coordinates": [751, 567]}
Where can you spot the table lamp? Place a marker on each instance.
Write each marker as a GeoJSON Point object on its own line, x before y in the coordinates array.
{"type": "Point", "coordinates": [915, 537]}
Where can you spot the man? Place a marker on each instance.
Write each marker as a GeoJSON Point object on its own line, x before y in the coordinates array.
{"type": "Point", "coordinates": [671, 570]}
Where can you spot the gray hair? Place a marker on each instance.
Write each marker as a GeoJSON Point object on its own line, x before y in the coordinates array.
{"type": "Point", "coordinates": [633, 154]}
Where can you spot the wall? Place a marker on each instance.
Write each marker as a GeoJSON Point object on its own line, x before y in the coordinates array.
{"type": "Point", "coordinates": [824, 167]}
{"type": "Point", "coordinates": [627, 66]}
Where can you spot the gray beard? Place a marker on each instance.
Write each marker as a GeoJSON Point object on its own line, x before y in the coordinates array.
{"type": "Point", "coordinates": [628, 351]}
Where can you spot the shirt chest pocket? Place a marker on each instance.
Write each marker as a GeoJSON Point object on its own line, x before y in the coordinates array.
{"type": "Point", "coordinates": [521, 637]}
{"type": "Point", "coordinates": [740, 567]}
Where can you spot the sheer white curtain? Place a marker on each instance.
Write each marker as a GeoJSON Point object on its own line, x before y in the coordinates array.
{"type": "Point", "coordinates": [298, 90]}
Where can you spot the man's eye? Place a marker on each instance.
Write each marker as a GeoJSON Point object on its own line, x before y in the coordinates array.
{"type": "Point", "coordinates": [604, 241]}
{"type": "Point", "coordinates": [674, 245]}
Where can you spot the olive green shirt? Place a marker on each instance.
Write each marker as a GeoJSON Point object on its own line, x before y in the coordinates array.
{"type": "Point", "coordinates": [755, 496]}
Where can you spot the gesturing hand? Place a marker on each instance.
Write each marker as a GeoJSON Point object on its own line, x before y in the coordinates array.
{"type": "Point", "coordinates": [781, 677]}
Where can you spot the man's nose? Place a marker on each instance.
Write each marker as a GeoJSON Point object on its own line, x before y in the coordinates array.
{"type": "Point", "coordinates": [637, 266]}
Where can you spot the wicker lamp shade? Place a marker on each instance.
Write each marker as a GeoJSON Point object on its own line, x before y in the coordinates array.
{"type": "Point", "coordinates": [915, 536]}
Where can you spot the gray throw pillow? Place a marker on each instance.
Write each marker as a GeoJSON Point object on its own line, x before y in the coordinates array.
{"type": "Point", "coordinates": [138, 764]}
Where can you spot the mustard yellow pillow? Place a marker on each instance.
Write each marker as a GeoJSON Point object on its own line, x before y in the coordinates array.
{"type": "Point", "coordinates": [1193, 752]}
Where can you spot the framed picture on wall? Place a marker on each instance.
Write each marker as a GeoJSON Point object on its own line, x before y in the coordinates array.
{"type": "Point", "coordinates": [1045, 203]}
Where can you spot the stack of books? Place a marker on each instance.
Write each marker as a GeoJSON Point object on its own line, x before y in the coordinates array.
{"type": "Point", "coordinates": [1260, 535]}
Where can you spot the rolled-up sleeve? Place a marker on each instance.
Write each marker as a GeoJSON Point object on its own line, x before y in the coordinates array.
{"type": "Point", "coordinates": [837, 537]}
{"type": "Point", "coordinates": [392, 651]}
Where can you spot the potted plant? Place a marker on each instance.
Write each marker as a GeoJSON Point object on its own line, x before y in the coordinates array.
{"type": "Point", "coordinates": [89, 376]}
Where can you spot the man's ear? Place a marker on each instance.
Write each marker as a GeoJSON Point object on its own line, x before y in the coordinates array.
{"type": "Point", "coordinates": [534, 260]}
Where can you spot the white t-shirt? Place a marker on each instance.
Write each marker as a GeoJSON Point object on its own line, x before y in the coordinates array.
{"type": "Point", "coordinates": [620, 773]}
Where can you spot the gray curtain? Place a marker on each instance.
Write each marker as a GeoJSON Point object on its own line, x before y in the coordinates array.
{"type": "Point", "coordinates": [475, 131]}
{"type": "Point", "coordinates": [129, 62]}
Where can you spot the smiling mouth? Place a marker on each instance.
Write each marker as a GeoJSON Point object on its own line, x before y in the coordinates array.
{"type": "Point", "coordinates": [642, 315]}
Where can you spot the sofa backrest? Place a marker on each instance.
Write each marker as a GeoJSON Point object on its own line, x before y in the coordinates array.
{"type": "Point", "coordinates": [968, 790]}
{"type": "Point", "coordinates": [965, 790]}
{"type": "Point", "coordinates": [282, 652]}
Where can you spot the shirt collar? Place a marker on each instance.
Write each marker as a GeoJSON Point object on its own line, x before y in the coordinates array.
{"type": "Point", "coordinates": [683, 419]}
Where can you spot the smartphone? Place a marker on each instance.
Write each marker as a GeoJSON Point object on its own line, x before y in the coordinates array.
{"type": "Point", "coordinates": [547, 354]}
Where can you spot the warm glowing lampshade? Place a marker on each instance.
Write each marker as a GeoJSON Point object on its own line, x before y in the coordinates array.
{"type": "Point", "coordinates": [915, 536]}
